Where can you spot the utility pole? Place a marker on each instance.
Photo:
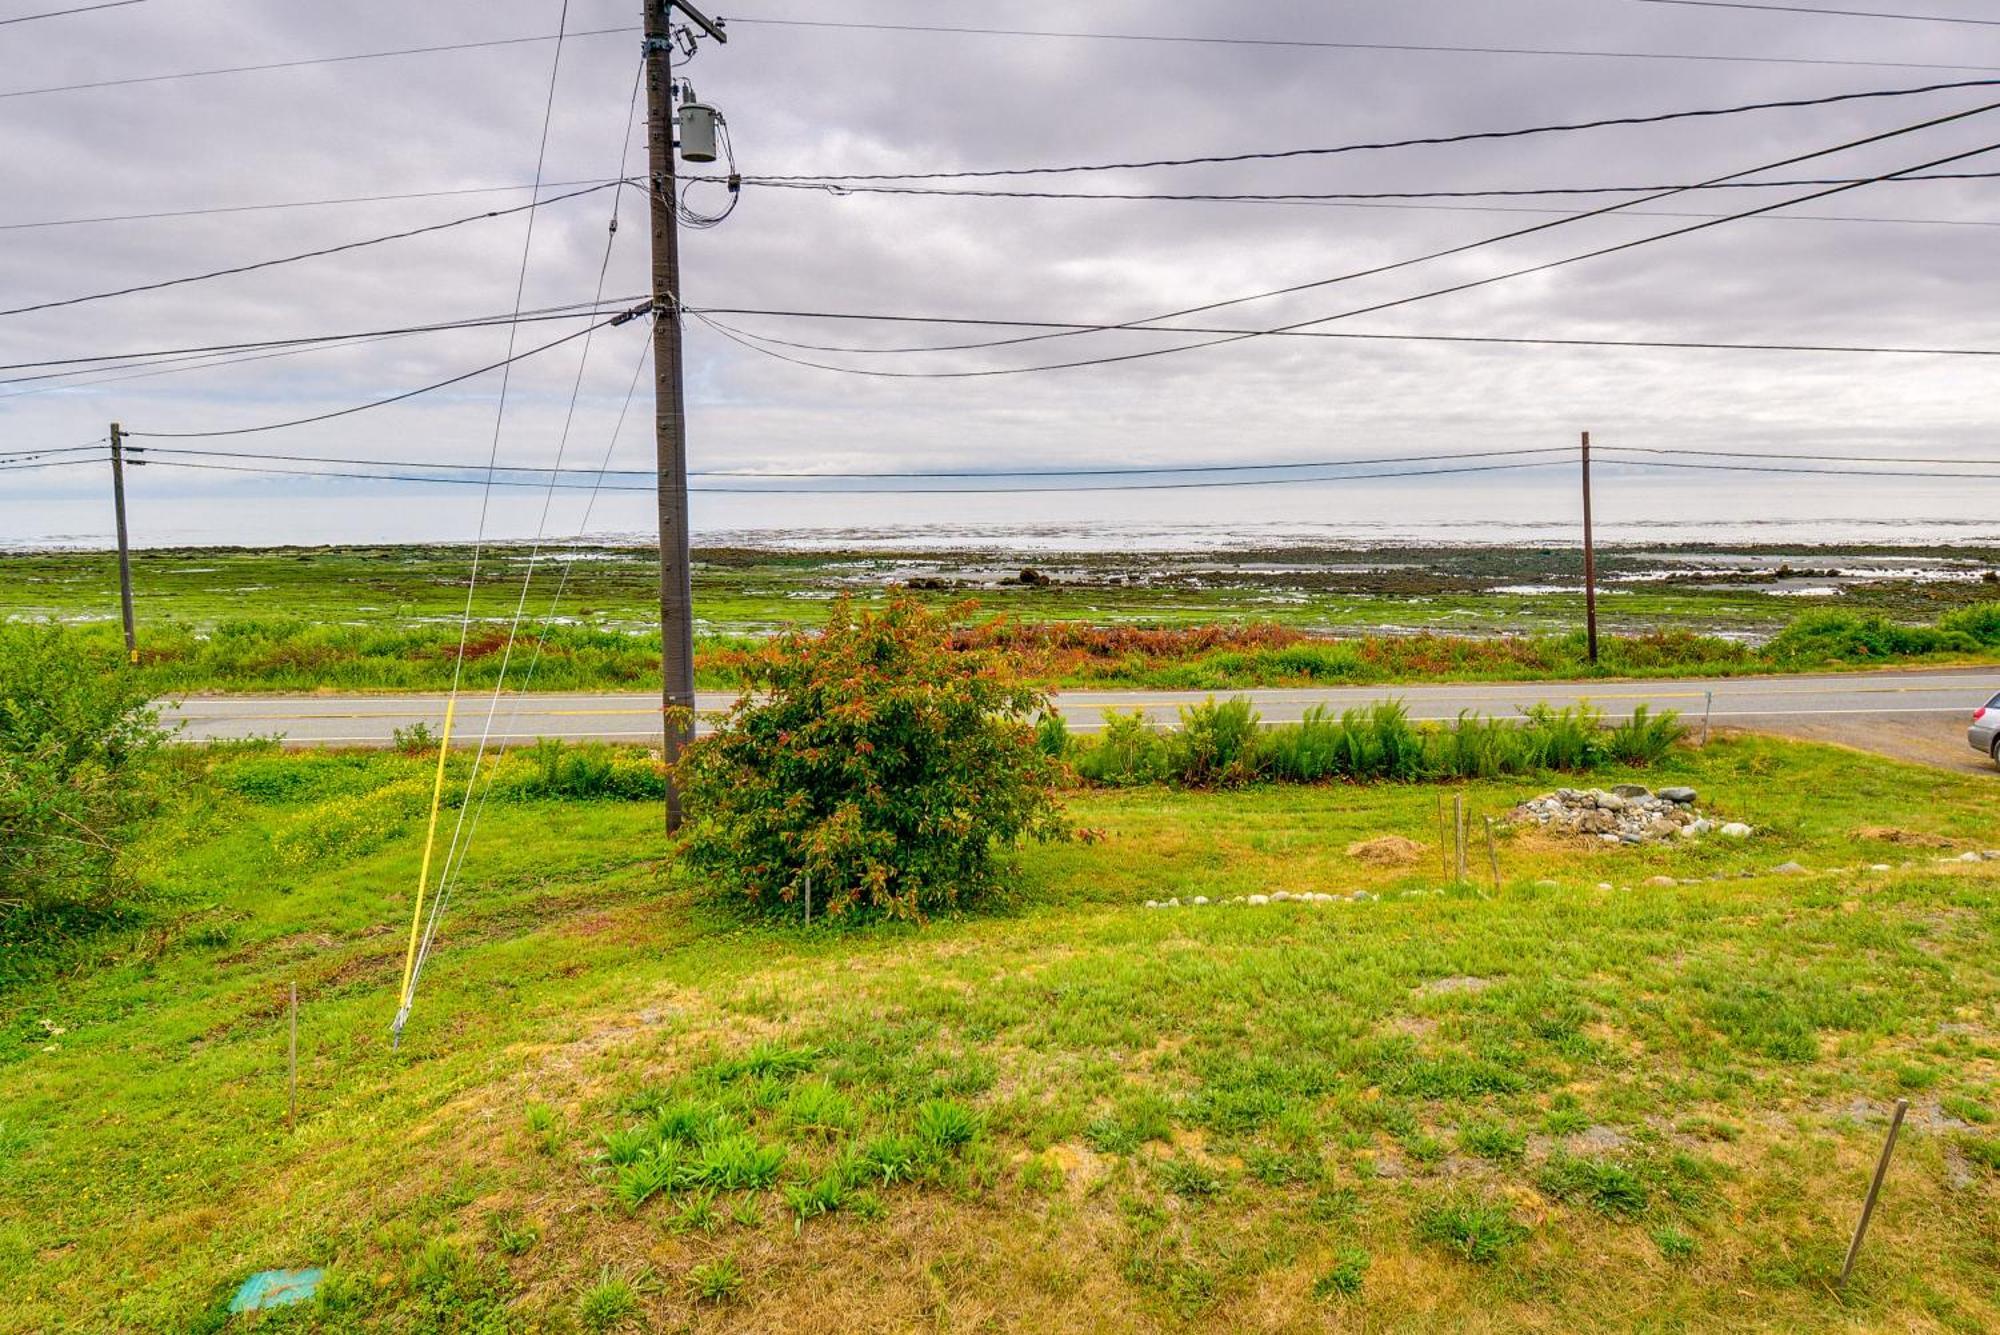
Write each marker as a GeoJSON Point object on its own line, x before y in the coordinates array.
{"type": "Point", "coordinates": [669, 409]}
{"type": "Point", "coordinates": [1589, 561]}
{"type": "Point", "coordinates": [124, 546]}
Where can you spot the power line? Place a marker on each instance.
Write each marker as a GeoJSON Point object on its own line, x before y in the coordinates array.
{"type": "Point", "coordinates": [305, 61]}
{"type": "Point", "coordinates": [1820, 472]}
{"type": "Point", "coordinates": [283, 204]}
{"type": "Point", "coordinates": [1818, 9]}
{"type": "Point", "coordinates": [1462, 248]}
{"type": "Point", "coordinates": [1424, 141]}
{"type": "Point", "coordinates": [1305, 43]}
{"type": "Point", "coordinates": [44, 450]}
{"type": "Point", "coordinates": [1816, 457]}
{"type": "Point", "coordinates": [571, 311]}
{"type": "Point", "coordinates": [894, 491]}
{"type": "Point", "coordinates": [1300, 43]}
{"type": "Point", "coordinates": [1393, 199]}
{"type": "Point", "coordinates": [1206, 484]}
{"type": "Point", "coordinates": [406, 394]}
{"type": "Point", "coordinates": [308, 254]}
{"type": "Point", "coordinates": [1118, 471]}
{"type": "Point", "coordinates": [58, 463]}
{"type": "Point", "coordinates": [60, 13]}
{"type": "Point", "coordinates": [1468, 285]}
{"type": "Point", "coordinates": [1084, 327]}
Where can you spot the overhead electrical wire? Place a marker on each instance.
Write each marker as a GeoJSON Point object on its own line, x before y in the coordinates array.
{"type": "Point", "coordinates": [928, 491]}
{"type": "Point", "coordinates": [1461, 248]}
{"type": "Point", "coordinates": [1431, 48]}
{"type": "Point", "coordinates": [308, 254]}
{"type": "Point", "coordinates": [570, 311]}
{"type": "Point", "coordinates": [1815, 457]}
{"type": "Point", "coordinates": [303, 61]}
{"type": "Point", "coordinates": [55, 463]}
{"type": "Point", "coordinates": [1398, 201]}
{"type": "Point", "coordinates": [44, 451]}
{"type": "Point", "coordinates": [1086, 327]}
{"type": "Point", "coordinates": [1307, 43]}
{"type": "Point", "coordinates": [1379, 145]}
{"type": "Point", "coordinates": [1468, 285]}
{"type": "Point", "coordinates": [1121, 470]}
{"type": "Point", "coordinates": [501, 365]}
{"type": "Point", "coordinates": [1821, 9]}
{"type": "Point", "coordinates": [211, 210]}
{"type": "Point", "coordinates": [1693, 460]}
{"type": "Point", "coordinates": [63, 13]}
{"type": "Point", "coordinates": [1319, 196]}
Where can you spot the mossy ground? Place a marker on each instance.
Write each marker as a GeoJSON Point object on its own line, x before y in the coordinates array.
{"type": "Point", "coordinates": [1536, 1107]}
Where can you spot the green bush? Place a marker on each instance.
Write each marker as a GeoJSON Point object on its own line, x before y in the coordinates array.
{"type": "Point", "coordinates": [1221, 743]}
{"type": "Point", "coordinates": [1129, 750]}
{"type": "Point", "coordinates": [873, 760]}
{"type": "Point", "coordinates": [1644, 738]}
{"type": "Point", "coordinates": [76, 732]}
{"type": "Point", "coordinates": [1216, 744]}
{"type": "Point", "coordinates": [1477, 748]}
{"type": "Point", "coordinates": [553, 769]}
{"type": "Point", "coordinates": [1829, 635]}
{"type": "Point", "coordinates": [1564, 739]}
{"type": "Point", "coordinates": [1979, 622]}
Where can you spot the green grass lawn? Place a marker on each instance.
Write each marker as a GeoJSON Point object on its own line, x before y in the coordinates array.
{"type": "Point", "coordinates": [1554, 1106]}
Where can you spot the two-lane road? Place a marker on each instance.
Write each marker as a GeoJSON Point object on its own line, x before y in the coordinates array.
{"type": "Point", "coordinates": [1917, 715]}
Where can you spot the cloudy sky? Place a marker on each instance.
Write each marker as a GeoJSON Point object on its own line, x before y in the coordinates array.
{"type": "Point", "coordinates": [1889, 264]}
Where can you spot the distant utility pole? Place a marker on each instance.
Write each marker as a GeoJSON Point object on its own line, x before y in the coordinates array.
{"type": "Point", "coordinates": [669, 409]}
{"type": "Point", "coordinates": [1589, 561]}
{"type": "Point", "coordinates": [124, 546]}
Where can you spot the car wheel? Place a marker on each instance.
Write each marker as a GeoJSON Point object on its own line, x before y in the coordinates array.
{"type": "Point", "coordinates": [1994, 750]}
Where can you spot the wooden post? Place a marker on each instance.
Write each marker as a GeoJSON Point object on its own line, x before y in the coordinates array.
{"type": "Point", "coordinates": [1589, 562]}
{"type": "Point", "coordinates": [1874, 1189]}
{"type": "Point", "coordinates": [292, 1067]}
{"type": "Point", "coordinates": [124, 543]}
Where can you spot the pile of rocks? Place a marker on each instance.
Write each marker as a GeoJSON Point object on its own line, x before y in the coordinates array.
{"type": "Point", "coordinates": [1627, 814]}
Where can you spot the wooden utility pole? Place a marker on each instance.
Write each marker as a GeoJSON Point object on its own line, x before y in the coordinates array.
{"type": "Point", "coordinates": [1589, 561]}
{"type": "Point", "coordinates": [124, 544]}
{"type": "Point", "coordinates": [669, 409]}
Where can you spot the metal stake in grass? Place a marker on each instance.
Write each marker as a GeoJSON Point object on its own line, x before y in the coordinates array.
{"type": "Point", "coordinates": [1444, 858]}
{"type": "Point", "coordinates": [1707, 708]}
{"type": "Point", "coordinates": [292, 1067]}
{"type": "Point", "coordinates": [1493, 855]}
{"type": "Point", "coordinates": [1874, 1189]}
{"type": "Point", "coordinates": [1458, 834]}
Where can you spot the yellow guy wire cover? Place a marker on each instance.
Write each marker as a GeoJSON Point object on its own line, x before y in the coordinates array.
{"type": "Point", "coordinates": [430, 840]}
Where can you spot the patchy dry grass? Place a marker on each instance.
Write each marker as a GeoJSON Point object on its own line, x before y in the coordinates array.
{"type": "Point", "coordinates": [1548, 1107]}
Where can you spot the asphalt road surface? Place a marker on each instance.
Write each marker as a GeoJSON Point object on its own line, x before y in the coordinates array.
{"type": "Point", "coordinates": [1912, 715]}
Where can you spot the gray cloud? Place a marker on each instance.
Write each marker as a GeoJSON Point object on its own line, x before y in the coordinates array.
{"type": "Point", "coordinates": [818, 100]}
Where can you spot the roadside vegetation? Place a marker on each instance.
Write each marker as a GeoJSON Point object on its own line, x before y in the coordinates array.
{"type": "Point", "coordinates": [1220, 744]}
{"type": "Point", "coordinates": [1608, 1079]}
{"type": "Point", "coordinates": [387, 618]}
{"type": "Point", "coordinates": [284, 654]}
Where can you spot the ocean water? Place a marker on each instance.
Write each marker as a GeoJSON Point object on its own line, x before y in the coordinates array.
{"type": "Point", "coordinates": [1629, 509]}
